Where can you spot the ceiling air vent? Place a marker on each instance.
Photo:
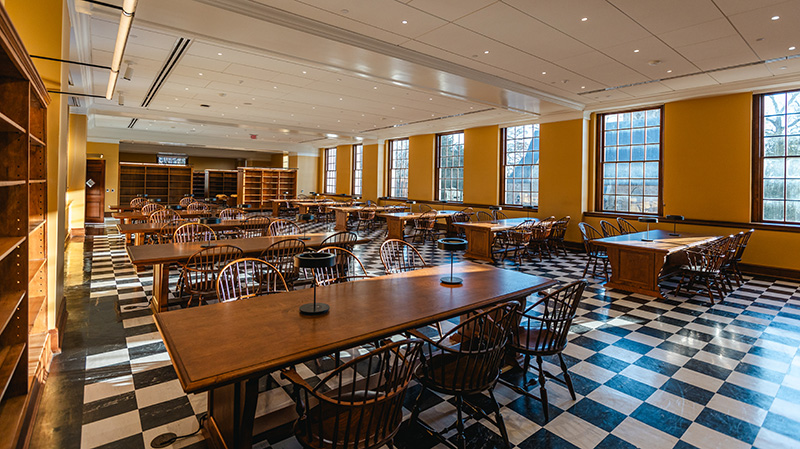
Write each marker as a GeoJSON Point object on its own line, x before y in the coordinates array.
{"type": "Point", "coordinates": [178, 50]}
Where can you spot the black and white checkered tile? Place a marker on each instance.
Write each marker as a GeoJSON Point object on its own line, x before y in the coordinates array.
{"type": "Point", "coordinates": [652, 373]}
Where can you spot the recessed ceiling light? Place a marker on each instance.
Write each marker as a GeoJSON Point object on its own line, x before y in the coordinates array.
{"type": "Point", "coordinates": [340, 99]}
{"type": "Point", "coordinates": [200, 73]}
{"type": "Point", "coordinates": [374, 87]}
{"type": "Point", "coordinates": [636, 51]}
{"type": "Point", "coordinates": [176, 99]}
{"type": "Point", "coordinates": [584, 19]}
{"type": "Point", "coordinates": [274, 87]}
{"type": "Point", "coordinates": [185, 88]}
{"type": "Point", "coordinates": [332, 136]}
{"type": "Point", "coordinates": [776, 17]}
{"type": "Point", "coordinates": [486, 52]}
{"type": "Point", "coordinates": [783, 67]}
{"type": "Point", "coordinates": [431, 99]}
{"type": "Point", "coordinates": [669, 71]}
{"type": "Point", "coordinates": [583, 87]}
{"type": "Point", "coordinates": [219, 54]}
{"type": "Point", "coordinates": [405, 22]}
{"type": "Point", "coordinates": [304, 72]}
{"type": "Point", "coordinates": [544, 73]}
{"type": "Point", "coordinates": [791, 48]}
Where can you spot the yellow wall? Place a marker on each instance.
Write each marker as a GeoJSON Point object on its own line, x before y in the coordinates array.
{"type": "Point", "coordinates": [373, 177]}
{"type": "Point", "coordinates": [482, 165]}
{"type": "Point", "coordinates": [344, 169]}
{"type": "Point", "coordinates": [76, 177]}
{"type": "Point", "coordinates": [110, 152]}
{"type": "Point", "coordinates": [307, 173]}
{"type": "Point", "coordinates": [421, 154]}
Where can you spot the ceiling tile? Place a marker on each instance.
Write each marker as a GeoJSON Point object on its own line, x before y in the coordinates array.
{"type": "Point", "coordinates": [718, 53]}
{"type": "Point", "coordinates": [659, 16]}
{"type": "Point", "coordinates": [450, 10]}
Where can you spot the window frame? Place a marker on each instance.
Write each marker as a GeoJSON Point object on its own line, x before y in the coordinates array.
{"type": "Point", "coordinates": [600, 159]}
{"type": "Point", "coordinates": [358, 169]}
{"type": "Point", "coordinates": [327, 172]}
{"type": "Point", "coordinates": [438, 167]}
{"type": "Point", "coordinates": [503, 166]}
{"type": "Point", "coordinates": [391, 168]}
{"type": "Point", "coordinates": [758, 154]}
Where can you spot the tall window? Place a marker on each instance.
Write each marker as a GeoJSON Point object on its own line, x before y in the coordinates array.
{"type": "Point", "coordinates": [521, 165]}
{"type": "Point", "coordinates": [358, 166]}
{"type": "Point", "coordinates": [450, 166]}
{"type": "Point", "coordinates": [398, 168]}
{"type": "Point", "coordinates": [330, 170]}
{"type": "Point", "coordinates": [778, 158]}
{"type": "Point", "coordinates": [630, 161]}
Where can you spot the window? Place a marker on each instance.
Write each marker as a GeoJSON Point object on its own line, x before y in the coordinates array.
{"type": "Point", "coordinates": [398, 168]}
{"type": "Point", "coordinates": [521, 165]}
{"type": "Point", "coordinates": [450, 167]}
{"type": "Point", "coordinates": [629, 171]}
{"type": "Point", "coordinates": [358, 166]}
{"type": "Point", "coordinates": [330, 170]}
{"type": "Point", "coordinates": [777, 191]}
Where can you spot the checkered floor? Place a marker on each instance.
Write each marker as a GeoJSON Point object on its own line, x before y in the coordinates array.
{"type": "Point", "coordinates": [674, 373]}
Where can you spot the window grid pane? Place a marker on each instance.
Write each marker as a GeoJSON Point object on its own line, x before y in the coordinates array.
{"type": "Point", "coordinates": [358, 156]}
{"type": "Point", "coordinates": [330, 170]}
{"type": "Point", "coordinates": [781, 157]}
{"type": "Point", "coordinates": [398, 169]}
{"type": "Point", "coordinates": [521, 165]}
{"type": "Point", "coordinates": [450, 160]}
{"type": "Point", "coordinates": [630, 161]}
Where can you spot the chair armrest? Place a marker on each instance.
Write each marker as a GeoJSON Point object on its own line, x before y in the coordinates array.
{"type": "Point", "coordinates": [292, 376]}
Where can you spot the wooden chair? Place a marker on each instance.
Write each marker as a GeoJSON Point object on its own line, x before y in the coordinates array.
{"type": "Point", "coordinates": [288, 210]}
{"type": "Point", "coordinates": [609, 230]}
{"type": "Point", "coordinates": [425, 226]}
{"type": "Point", "coordinates": [163, 216]}
{"type": "Point", "coordinates": [167, 232]}
{"type": "Point", "coordinates": [193, 232]}
{"type": "Point", "coordinates": [539, 233]}
{"type": "Point", "coordinates": [364, 409]}
{"type": "Point", "coordinates": [484, 216]}
{"type": "Point", "coordinates": [347, 267]}
{"type": "Point", "coordinates": [468, 368]}
{"type": "Point", "coordinates": [557, 233]}
{"type": "Point", "coordinates": [343, 239]}
{"type": "Point", "coordinates": [594, 252]}
{"type": "Point", "coordinates": [399, 256]}
{"type": "Point", "coordinates": [542, 331]}
{"type": "Point", "coordinates": [197, 207]}
{"type": "Point", "coordinates": [246, 278]}
{"type": "Point", "coordinates": [283, 227]}
{"type": "Point", "coordinates": [462, 216]}
{"type": "Point", "coordinates": [705, 265]}
{"type": "Point", "coordinates": [733, 269]}
{"type": "Point", "coordinates": [149, 208]}
{"type": "Point", "coordinates": [625, 227]}
{"type": "Point", "coordinates": [138, 202]}
{"type": "Point", "coordinates": [231, 214]}
{"type": "Point", "coordinates": [514, 241]}
{"type": "Point", "coordinates": [281, 256]}
{"type": "Point", "coordinates": [186, 201]}
{"type": "Point", "coordinates": [254, 227]}
{"type": "Point", "coordinates": [199, 274]}
{"type": "Point", "coordinates": [366, 218]}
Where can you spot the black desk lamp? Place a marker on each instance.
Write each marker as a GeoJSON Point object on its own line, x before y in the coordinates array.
{"type": "Point", "coordinates": [304, 218]}
{"type": "Point", "coordinates": [648, 220]}
{"type": "Point", "coordinates": [314, 261]}
{"type": "Point", "coordinates": [451, 244]}
{"type": "Point", "coordinates": [676, 219]}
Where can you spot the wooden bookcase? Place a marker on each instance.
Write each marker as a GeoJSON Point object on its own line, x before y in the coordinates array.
{"type": "Point", "coordinates": [24, 327]}
{"type": "Point", "coordinates": [168, 183]}
{"type": "Point", "coordinates": [199, 185]}
{"type": "Point", "coordinates": [221, 182]}
{"type": "Point", "coordinates": [256, 186]}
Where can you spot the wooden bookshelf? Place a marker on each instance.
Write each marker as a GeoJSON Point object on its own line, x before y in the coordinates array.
{"type": "Point", "coordinates": [167, 183]}
{"type": "Point", "coordinates": [256, 186]}
{"type": "Point", "coordinates": [221, 182]}
{"type": "Point", "coordinates": [199, 185]}
{"type": "Point", "coordinates": [24, 326]}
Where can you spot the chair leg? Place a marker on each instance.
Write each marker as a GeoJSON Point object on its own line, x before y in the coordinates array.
{"type": "Point", "coordinates": [415, 409]}
{"type": "Point", "coordinates": [567, 379]}
{"type": "Point", "coordinates": [461, 441]}
{"type": "Point", "coordinates": [499, 417]}
{"type": "Point", "coordinates": [543, 390]}
{"type": "Point", "coordinates": [585, 270]}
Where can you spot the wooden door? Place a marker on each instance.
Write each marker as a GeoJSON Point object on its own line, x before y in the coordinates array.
{"type": "Point", "coordinates": [95, 190]}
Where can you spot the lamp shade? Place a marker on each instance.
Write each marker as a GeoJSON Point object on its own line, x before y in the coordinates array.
{"type": "Point", "coordinates": [648, 220]}
{"type": "Point", "coordinates": [451, 244]}
{"type": "Point", "coordinates": [495, 208]}
{"type": "Point", "coordinates": [675, 217]}
{"type": "Point", "coordinates": [314, 260]}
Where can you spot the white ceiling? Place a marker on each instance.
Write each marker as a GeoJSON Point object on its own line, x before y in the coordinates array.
{"type": "Point", "coordinates": [292, 72]}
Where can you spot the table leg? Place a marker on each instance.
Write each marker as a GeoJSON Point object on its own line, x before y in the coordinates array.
{"type": "Point", "coordinates": [231, 413]}
{"type": "Point", "coordinates": [396, 227]}
{"type": "Point", "coordinates": [635, 271]}
{"type": "Point", "coordinates": [160, 288]}
{"type": "Point", "coordinates": [341, 220]}
{"type": "Point", "coordinates": [276, 209]}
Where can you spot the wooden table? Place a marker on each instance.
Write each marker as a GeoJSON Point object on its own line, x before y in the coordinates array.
{"type": "Point", "coordinates": [163, 255]}
{"type": "Point", "coordinates": [637, 265]}
{"type": "Point", "coordinates": [342, 213]}
{"type": "Point", "coordinates": [225, 348]}
{"type": "Point", "coordinates": [396, 221]}
{"type": "Point", "coordinates": [126, 217]}
{"type": "Point", "coordinates": [480, 234]}
{"type": "Point", "coordinates": [138, 231]}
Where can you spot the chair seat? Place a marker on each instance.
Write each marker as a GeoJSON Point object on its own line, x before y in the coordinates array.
{"type": "Point", "coordinates": [348, 426]}
{"type": "Point", "coordinates": [699, 270]}
{"type": "Point", "coordinates": [451, 376]}
{"type": "Point", "coordinates": [533, 341]}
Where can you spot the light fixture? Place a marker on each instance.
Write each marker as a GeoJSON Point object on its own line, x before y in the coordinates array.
{"type": "Point", "coordinates": [544, 73]}
{"type": "Point", "coordinates": [776, 17]}
{"type": "Point", "coordinates": [405, 22]}
{"type": "Point", "coordinates": [584, 19]}
{"type": "Point", "coordinates": [121, 99]}
{"type": "Point", "coordinates": [128, 72]}
{"type": "Point", "coordinates": [791, 48]}
{"type": "Point", "coordinates": [636, 51]}
{"type": "Point", "coordinates": [486, 52]}
{"type": "Point", "coordinates": [125, 21]}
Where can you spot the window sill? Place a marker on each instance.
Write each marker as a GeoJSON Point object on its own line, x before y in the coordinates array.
{"type": "Point", "coordinates": [777, 227]}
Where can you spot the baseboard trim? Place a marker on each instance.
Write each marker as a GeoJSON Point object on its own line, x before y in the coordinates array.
{"type": "Point", "coordinates": [77, 232]}
{"type": "Point", "coordinates": [57, 334]}
{"type": "Point", "coordinates": [778, 273]}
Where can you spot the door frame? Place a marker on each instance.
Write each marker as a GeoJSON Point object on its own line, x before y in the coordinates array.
{"type": "Point", "coordinates": [102, 192]}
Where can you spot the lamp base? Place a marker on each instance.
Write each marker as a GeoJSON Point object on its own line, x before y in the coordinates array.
{"type": "Point", "coordinates": [303, 238]}
{"type": "Point", "coordinates": [314, 309]}
{"type": "Point", "coordinates": [451, 280]}
{"type": "Point", "coordinates": [647, 240]}
{"type": "Point", "coordinates": [674, 234]}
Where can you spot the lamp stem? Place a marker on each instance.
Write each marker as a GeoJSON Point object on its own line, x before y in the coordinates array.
{"type": "Point", "coordinates": [451, 265]}
{"type": "Point", "coordinates": [314, 274]}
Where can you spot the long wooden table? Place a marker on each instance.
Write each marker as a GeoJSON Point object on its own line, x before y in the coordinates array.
{"type": "Point", "coordinates": [163, 255]}
{"type": "Point", "coordinates": [138, 231]}
{"type": "Point", "coordinates": [636, 265]}
{"type": "Point", "coordinates": [126, 217]}
{"type": "Point", "coordinates": [480, 234]}
{"type": "Point", "coordinates": [342, 213]}
{"type": "Point", "coordinates": [225, 348]}
{"type": "Point", "coordinates": [396, 221]}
